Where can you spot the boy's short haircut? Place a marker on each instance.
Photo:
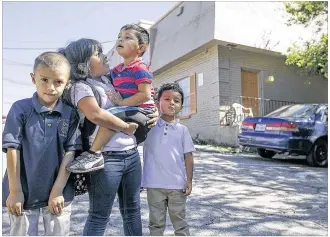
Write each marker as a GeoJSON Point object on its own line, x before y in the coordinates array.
{"type": "Point", "coordinates": [51, 60]}
{"type": "Point", "coordinates": [170, 86]}
{"type": "Point", "coordinates": [141, 33]}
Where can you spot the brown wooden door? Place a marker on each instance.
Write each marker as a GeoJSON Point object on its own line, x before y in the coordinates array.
{"type": "Point", "coordinates": [250, 89]}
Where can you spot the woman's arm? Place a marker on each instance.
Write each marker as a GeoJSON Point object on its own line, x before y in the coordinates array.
{"type": "Point", "coordinates": [89, 107]}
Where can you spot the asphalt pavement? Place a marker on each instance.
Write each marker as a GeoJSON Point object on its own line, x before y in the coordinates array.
{"type": "Point", "coordinates": [238, 194]}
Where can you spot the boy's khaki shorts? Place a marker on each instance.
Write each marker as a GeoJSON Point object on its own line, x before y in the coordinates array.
{"type": "Point", "coordinates": [159, 200]}
{"type": "Point", "coordinates": [27, 224]}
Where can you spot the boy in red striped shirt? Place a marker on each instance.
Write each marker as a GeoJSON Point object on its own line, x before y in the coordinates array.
{"type": "Point", "coordinates": [132, 82]}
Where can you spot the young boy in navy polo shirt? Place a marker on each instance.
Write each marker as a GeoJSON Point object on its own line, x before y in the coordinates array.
{"type": "Point", "coordinates": [168, 164]}
{"type": "Point", "coordinates": [40, 136]}
{"type": "Point", "coordinates": [132, 82]}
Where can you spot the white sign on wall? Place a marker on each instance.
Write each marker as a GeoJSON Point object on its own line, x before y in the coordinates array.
{"type": "Point", "coordinates": [200, 79]}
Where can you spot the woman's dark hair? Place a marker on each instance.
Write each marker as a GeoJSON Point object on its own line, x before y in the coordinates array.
{"type": "Point", "coordinates": [170, 86]}
{"type": "Point", "coordinates": [78, 53]}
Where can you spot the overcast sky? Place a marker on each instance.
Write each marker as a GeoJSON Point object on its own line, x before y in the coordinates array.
{"type": "Point", "coordinates": [50, 25]}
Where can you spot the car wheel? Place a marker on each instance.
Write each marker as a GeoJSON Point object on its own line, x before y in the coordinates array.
{"type": "Point", "coordinates": [266, 153]}
{"type": "Point", "coordinates": [318, 156]}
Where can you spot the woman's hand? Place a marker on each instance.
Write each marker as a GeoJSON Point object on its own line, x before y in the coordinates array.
{"type": "Point", "coordinates": [114, 97]}
{"type": "Point", "coordinates": [153, 118]}
{"type": "Point", "coordinates": [131, 129]}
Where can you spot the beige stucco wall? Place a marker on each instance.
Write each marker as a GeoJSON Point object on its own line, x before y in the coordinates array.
{"type": "Point", "coordinates": [203, 24]}
{"type": "Point", "coordinates": [177, 35]}
{"type": "Point", "coordinates": [205, 121]}
{"type": "Point", "coordinates": [222, 78]}
{"type": "Point", "coordinates": [254, 24]}
{"type": "Point", "coordinates": [288, 84]}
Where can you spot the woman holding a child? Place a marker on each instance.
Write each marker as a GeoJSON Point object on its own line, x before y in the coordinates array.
{"type": "Point", "coordinates": [122, 168]}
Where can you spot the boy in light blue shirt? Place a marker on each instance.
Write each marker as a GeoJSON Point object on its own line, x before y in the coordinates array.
{"type": "Point", "coordinates": [168, 164]}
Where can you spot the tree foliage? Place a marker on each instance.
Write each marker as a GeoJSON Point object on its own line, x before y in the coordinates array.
{"type": "Point", "coordinates": [313, 55]}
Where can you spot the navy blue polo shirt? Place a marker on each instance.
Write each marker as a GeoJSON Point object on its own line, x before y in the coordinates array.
{"type": "Point", "coordinates": [42, 136]}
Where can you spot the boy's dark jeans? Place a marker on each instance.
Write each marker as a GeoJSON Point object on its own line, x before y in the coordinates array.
{"type": "Point", "coordinates": [122, 173]}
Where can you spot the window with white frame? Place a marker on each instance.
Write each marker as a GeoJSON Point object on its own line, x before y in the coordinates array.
{"type": "Point", "coordinates": [185, 85]}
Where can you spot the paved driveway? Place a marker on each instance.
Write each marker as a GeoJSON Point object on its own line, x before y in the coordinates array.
{"type": "Point", "coordinates": [240, 194]}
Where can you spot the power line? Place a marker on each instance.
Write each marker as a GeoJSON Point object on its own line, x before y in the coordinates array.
{"type": "Point", "coordinates": [17, 63]}
{"type": "Point", "coordinates": [110, 41]}
{"type": "Point", "coordinates": [27, 48]}
{"type": "Point", "coordinates": [16, 82]}
{"type": "Point", "coordinates": [30, 42]}
{"type": "Point", "coordinates": [7, 102]}
{"type": "Point", "coordinates": [24, 48]}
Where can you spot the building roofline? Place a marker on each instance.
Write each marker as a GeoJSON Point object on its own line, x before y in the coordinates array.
{"type": "Point", "coordinates": [167, 13]}
{"type": "Point", "coordinates": [250, 48]}
{"type": "Point", "coordinates": [188, 55]}
{"type": "Point", "coordinates": [212, 43]}
{"type": "Point", "coordinates": [146, 22]}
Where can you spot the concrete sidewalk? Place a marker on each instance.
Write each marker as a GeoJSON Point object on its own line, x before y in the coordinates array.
{"type": "Point", "coordinates": [239, 194]}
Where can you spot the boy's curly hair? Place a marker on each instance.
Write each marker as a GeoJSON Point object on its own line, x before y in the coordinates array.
{"type": "Point", "coordinates": [141, 33]}
{"type": "Point", "coordinates": [170, 86]}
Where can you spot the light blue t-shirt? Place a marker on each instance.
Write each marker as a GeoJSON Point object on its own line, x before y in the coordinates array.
{"type": "Point", "coordinates": [120, 141]}
{"type": "Point", "coordinates": [163, 156]}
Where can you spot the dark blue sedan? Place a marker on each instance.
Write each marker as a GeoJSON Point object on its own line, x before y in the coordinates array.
{"type": "Point", "coordinates": [300, 129]}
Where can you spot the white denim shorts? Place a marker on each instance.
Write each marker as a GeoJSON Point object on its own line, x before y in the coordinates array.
{"type": "Point", "coordinates": [27, 223]}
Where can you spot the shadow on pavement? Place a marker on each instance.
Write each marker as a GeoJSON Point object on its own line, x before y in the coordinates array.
{"type": "Point", "coordinates": [238, 194]}
{"type": "Point", "coordinates": [256, 196]}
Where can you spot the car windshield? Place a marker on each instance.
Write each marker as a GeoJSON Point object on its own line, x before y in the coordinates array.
{"type": "Point", "coordinates": [297, 111]}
